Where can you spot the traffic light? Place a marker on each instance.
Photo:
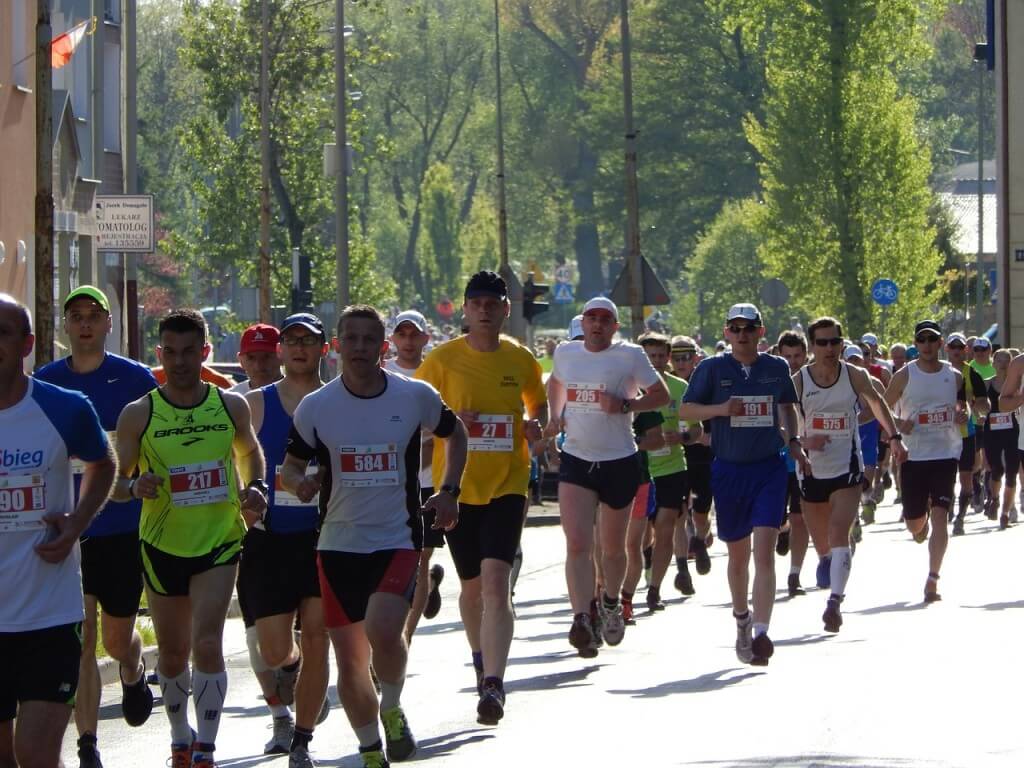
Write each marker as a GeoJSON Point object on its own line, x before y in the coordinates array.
{"type": "Point", "coordinates": [531, 292]}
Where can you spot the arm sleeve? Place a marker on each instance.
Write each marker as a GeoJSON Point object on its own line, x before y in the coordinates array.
{"type": "Point", "coordinates": [699, 386]}
{"type": "Point", "coordinates": [87, 440]}
{"type": "Point", "coordinates": [978, 386]}
{"type": "Point", "coordinates": [302, 439]}
{"type": "Point", "coordinates": [643, 371]}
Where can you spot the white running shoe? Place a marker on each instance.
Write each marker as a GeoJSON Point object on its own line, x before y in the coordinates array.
{"type": "Point", "coordinates": [613, 624]}
{"type": "Point", "coordinates": [1013, 514]}
{"type": "Point", "coordinates": [744, 640]}
{"type": "Point", "coordinates": [281, 742]}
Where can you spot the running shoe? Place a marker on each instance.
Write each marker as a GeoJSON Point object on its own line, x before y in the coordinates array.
{"type": "Point", "coordinates": [958, 525]}
{"type": "Point", "coordinates": [823, 573]}
{"type": "Point", "coordinates": [492, 704]}
{"type": "Point", "coordinates": [203, 762]}
{"type": "Point", "coordinates": [857, 534]}
{"type": "Point", "coordinates": [867, 514]}
{"type": "Point", "coordinates": [284, 729]}
{"type": "Point", "coordinates": [613, 628]}
{"type": "Point", "coordinates": [433, 606]}
{"type": "Point", "coordinates": [833, 617]}
{"type": "Point", "coordinates": [401, 745]}
{"type": "Point", "coordinates": [284, 680]}
{"type": "Point", "coordinates": [877, 494]}
{"type": "Point", "coordinates": [887, 481]}
{"type": "Point", "coordinates": [88, 755]}
{"type": "Point", "coordinates": [684, 582]}
{"type": "Point", "coordinates": [373, 757]}
{"type": "Point", "coordinates": [136, 700]}
{"type": "Point", "coordinates": [581, 636]}
{"type": "Point", "coordinates": [794, 585]}
{"type": "Point", "coordinates": [627, 612]}
{"type": "Point", "coordinates": [991, 510]}
{"type": "Point", "coordinates": [654, 601]}
{"type": "Point", "coordinates": [1004, 522]}
{"type": "Point", "coordinates": [762, 649]}
{"type": "Point", "coordinates": [181, 754]}
{"type": "Point", "coordinates": [1013, 515]}
{"type": "Point", "coordinates": [299, 758]}
{"type": "Point", "coordinates": [932, 595]}
{"type": "Point", "coordinates": [701, 558]}
{"type": "Point", "coordinates": [744, 643]}
{"type": "Point", "coordinates": [782, 544]}
{"type": "Point", "coordinates": [596, 624]}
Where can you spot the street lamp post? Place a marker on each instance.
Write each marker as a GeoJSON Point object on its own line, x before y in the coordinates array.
{"type": "Point", "coordinates": [341, 267]}
{"type": "Point", "coordinates": [633, 263]}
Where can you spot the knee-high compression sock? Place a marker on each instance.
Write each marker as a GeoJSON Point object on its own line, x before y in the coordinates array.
{"type": "Point", "coordinates": [208, 692]}
{"type": "Point", "coordinates": [174, 691]}
{"type": "Point", "coordinates": [839, 571]}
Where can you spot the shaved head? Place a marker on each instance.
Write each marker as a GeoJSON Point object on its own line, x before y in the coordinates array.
{"type": "Point", "coordinates": [12, 304]}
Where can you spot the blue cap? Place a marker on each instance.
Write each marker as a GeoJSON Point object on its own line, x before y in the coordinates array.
{"type": "Point", "coordinates": [305, 320]}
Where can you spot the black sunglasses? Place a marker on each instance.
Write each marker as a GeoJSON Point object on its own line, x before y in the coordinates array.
{"type": "Point", "coordinates": [738, 329]}
{"type": "Point", "coordinates": [955, 345]}
{"type": "Point", "coordinates": [925, 338]}
{"type": "Point", "coordinates": [835, 341]}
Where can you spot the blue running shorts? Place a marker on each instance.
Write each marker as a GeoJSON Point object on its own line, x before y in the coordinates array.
{"type": "Point", "coordinates": [748, 496]}
{"type": "Point", "coordinates": [869, 434]}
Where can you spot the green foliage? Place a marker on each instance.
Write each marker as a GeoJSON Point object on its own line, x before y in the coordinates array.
{"type": "Point", "coordinates": [442, 225]}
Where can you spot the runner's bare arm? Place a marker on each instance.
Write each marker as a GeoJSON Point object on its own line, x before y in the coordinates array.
{"type": "Point", "coordinates": [255, 400]}
{"type": "Point", "coordinates": [1011, 398]}
{"type": "Point", "coordinates": [894, 392]}
{"type": "Point", "coordinates": [249, 461]}
{"type": "Point", "coordinates": [652, 439]}
{"type": "Point", "coordinates": [653, 398]}
{"type": "Point", "coordinates": [445, 506]}
{"type": "Point", "coordinates": [703, 412]}
{"type": "Point", "coordinates": [869, 390]}
{"type": "Point", "coordinates": [294, 478]}
{"type": "Point", "coordinates": [556, 404]}
{"type": "Point", "coordinates": [130, 426]}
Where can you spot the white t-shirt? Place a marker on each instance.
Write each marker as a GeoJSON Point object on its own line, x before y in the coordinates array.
{"type": "Point", "coordinates": [621, 370]}
{"type": "Point", "coordinates": [371, 446]}
{"type": "Point", "coordinates": [41, 433]}
{"type": "Point", "coordinates": [426, 477]}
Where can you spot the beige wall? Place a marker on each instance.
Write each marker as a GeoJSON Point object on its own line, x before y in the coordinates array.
{"type": "Point", "coordinates": [1010, 154]}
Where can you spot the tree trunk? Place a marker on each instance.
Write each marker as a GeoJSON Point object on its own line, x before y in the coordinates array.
{"type": "Point", "coordinates": [586, 241]}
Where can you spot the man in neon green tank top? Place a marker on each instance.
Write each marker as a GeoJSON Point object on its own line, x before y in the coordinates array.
{"type": "Point", "coordinates": [193, 446]}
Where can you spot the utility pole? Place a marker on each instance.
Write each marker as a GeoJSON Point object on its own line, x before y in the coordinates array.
{"type": "Point", "coordinates": [633, 264]}
{"type": "Point", "coordinates": [341, 178]}
{"type": "Point", "coordinates": [979, 285]}
{"type": "Point", "coordinates": [265, 293]}
{"type": "Point", "coordinates": [43, 256]}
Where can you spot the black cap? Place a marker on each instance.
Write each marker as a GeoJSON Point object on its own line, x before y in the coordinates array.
{"type": "Point", "coordinates": [486, 283]}
{"type": "Point", "coordinates": [928, 325]}
{"type": "Point", "coordinates": [310, 322]}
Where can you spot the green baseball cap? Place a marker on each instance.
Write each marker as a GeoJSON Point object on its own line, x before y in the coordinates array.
{"type": "Point", "coordinates": [89, 292]}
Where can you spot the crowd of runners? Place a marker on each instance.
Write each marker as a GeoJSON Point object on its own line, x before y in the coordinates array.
{"type": "Point", "coordinates": [320, 504]}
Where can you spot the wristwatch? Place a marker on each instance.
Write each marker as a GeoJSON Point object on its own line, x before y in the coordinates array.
{"type": "Point", "coordinates": [895, 436]}
{"type": "Point", "coordinates": [627, 406]}
{"type": "Point", "coordinates": [452, 490]}
{"type": "Point", "coordinates": [260, 485]}
{"type": "Point", "coordinates": [796, 440]}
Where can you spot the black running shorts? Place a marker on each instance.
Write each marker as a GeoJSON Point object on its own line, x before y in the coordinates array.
{"type": "Point", "coordinates": [169, 575]}
{"type": "Point", "coordinates": [966, 463]}
{"type": "Point", "coordinates": [276, 572]}
{"type": "Point", "coordinates": [819, 491]}
{"type": "Point", "coordinates": [698, 477]}
{"type": "Point", "coordinates": [112, 572]}
{"type": "Point", "coordinates": [433, 538]}
{"type": "Point", "coordinates": [349, 579]}
{"type": "Point", "coordinates": [614, 481]}
{"type": "Point", "coordinates": [924, 484]}
{"type": "Point", "coordinates": [672, 491]}
{"type": "Point", "coordinates": [793, 494]}
{"type": "Point", "coordinates": [39, 665]}
{"type": "Point", "coordinates": [484, 531]}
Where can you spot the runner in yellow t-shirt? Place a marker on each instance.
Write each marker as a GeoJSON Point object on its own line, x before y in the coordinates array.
{"type": "Point", "coordinates": [488, 379]}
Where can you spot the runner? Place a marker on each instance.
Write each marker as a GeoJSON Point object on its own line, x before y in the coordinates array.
{"type": "Point", "coordinates": [829, 391]}
{"type": "Point", "coordinates": [489, 380]}
{"type": "Point", "coordinates": [749, 398]}
{"type": "Point", "coordinates": [981, 361]}
{"type": "Point", "coordinates": [364, 427]}
{"type": "Point", "coordinates": [257, 354]}
{"type": "Point", "coordinates": [1001, 436]}
{"type": "Point", "coordinates": [649, 437]}
{"type": "Point", "coordinates": [409, 338]}
{"type": "Point", "coordinates": [870, 440]}
{"type": "Point", "coordinates": [594, 386]}
{"type": "Point", "coordinates": [929, 395]}
{"type": "Point", "coordinates": [191, 443]}
{"type": "Point", "coordinates": [668, 472]}
{"type": "Point", "coordinates": [111, 567]}
{"type": "Point", "coordinates": [685, 356]}
{"type": "Point", "coordinates": [956, 346]}
{"type": "Point", "coordinates": [898, 356]}
{"type": "Point", "coordinates": [277, 576]}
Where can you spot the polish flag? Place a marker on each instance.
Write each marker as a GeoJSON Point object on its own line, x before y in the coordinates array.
{"type": "Point", "coordinates": [63, 46]}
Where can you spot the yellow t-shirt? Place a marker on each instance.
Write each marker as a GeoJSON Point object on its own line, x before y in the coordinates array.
{"type": "Point", "coordinates": [496, 385]}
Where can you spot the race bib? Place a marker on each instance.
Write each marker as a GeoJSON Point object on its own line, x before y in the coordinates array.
{"type": "Point", "coordinates": [22, 503]}
{"type": "Point", "coordinates": [757, 412]}
{"type": "Point", "coordinates": [285, 498]}
{"type": "Point", "coordinates": [935, 418]}
{"type": "Point", "coordinates": [1000, 420]}
{"type": "Point", "coordinates": [836, 425]}
{"type": "Point", "coordinates": [78, 466]}
{"type": "Point", "coordinates": [202, 483]}
{"type": "Point", "coordinates": [491, 433]}
{"type": "Point", "coordinates": [583, 397]}
{"type": "Point", "coordinates": [661, 452]}
{"type": "Point", "coordinates": [364, 466]}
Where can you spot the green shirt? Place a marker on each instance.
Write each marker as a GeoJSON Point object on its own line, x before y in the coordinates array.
{"type": "Point", "coordinates": [670, 459]}
{"type": "Point", "coordinates": [987, 371]}
{"type": "Point", "coordinates": [641, 423]}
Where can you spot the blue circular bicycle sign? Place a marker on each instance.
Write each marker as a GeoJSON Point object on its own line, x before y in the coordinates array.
{"type": "Point", "coordinates": [885, 292]}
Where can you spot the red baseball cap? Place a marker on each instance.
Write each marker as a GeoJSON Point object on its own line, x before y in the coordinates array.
{"type": "Point", "coordinates": [259, 338]}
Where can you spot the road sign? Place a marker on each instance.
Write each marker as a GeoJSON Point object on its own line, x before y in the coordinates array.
{"type": "Point", "coordinates": [125, 223]}
{"type": "Point", "coordinates": [775, 293]}
{"type": "Point", "coordinates": [562, 294]}
{"type": "Point", "coordinates": [654, 290]}
{"type": "Point", "coordinates": [885, 292]}
{"type": "Point", "coordinates": [563, 273]}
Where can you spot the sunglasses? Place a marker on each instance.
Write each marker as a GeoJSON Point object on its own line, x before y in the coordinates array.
{"type": "Point", "coordinates": [301, 341]}
{"type": "Point", "coordinates": [738, 329]}
{"type": "Point", "coordinates": [835, 341]}
{"type": "Point", "coordinates": [684, 357]}
{"type": "Point", "coordinates": [926, 338]}
{"type": "Point", "coordinates": [957, 345]}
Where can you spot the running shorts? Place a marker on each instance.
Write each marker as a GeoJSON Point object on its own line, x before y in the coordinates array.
{"type": "Point", "coordinates": [645, 503]}
{"type": "Point", "coordinates": [485, 531]}
{"type": "Point", "coordinates": [112, 572]}
{"type": "Point", "coordinates": [966, 463]}
{"type": "Point", "coordinates": [276, 572]}
{"type": "Point", "coordinates": [348, 579]}
{"type": "Point", "coordinates": [433, 538]}
{"type": "Point", "coordinates": [615, 481]}
{"type": "Point", "coordinates": [39, 665]}
{"type": "Point", "coordinates": [673, 491]}
{"type": "Point", "coordinates": [869, 434]}
{"type": "Point", "coordinates": [1002, 455]}
{"type": "Point", "coordinates": [819, 490]}
{"type": "Point", "coordinates": [927, 483]}
{"type": "Point", "coordinates": [699, 481]}
{"type": "Point", "coordinates": [170, 575]}
{"type": "Point", "coordinates": [793, 493]}
{"type": "Point", "coordinates": [748, 496]}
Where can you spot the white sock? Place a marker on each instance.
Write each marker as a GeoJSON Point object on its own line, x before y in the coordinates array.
{"type": "Point", "coordinates": [794, 570]}
{"type": "Point", "coordinates": [368, 734]}
{"type": "Point", "coordinates": [390, 694]}
{"type": "Point", "coordinates": [840, 570]}
{"type": "Point", "coordinates": [208, 692]}
{"type": "Point", "coordinates": [174, 691]}
{"type": "Point", "coordinates": [760, 629]}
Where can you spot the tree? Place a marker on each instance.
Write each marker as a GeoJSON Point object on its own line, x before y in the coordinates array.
{"type": "Point", "coordinates": [844, 172]}
{"type": "Point", "coordinates": [442, 225]}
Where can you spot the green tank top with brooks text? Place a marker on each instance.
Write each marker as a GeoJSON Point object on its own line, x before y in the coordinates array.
{"type": "Point", "coordinates": [197, 507]}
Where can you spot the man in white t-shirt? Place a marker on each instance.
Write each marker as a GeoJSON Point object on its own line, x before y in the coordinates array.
{"type": "Point", "coordinates": [257, 354]}
{"type": "Point", "coordinates": [593, 390]}
{"type": "Point", "coordinates": [408, 340]}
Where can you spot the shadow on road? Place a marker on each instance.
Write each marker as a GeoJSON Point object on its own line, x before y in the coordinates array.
{"type": "Point", "coordinates": [890, 608]}
{"type": "Point", "coordinates": [712, 681]}
{"type": "Point", "coordinates": [521, 604]}
{"type": "Point", "coordinates": [810, 761]}
{"type": "Point", "coordinates": [438, 746]}
{"type": "Point", "coordinates": [439, 629]}
{"type": "Point", "coordinates": [245, 762]}
{"type": "Point", "coordinates": [803, 640]}
{"type": "Point", "coordinates": [998, 606]}
{"type": "Point", "coordinates": [543, 658]}
{"type": "Point", "coordinates": [572, 678]}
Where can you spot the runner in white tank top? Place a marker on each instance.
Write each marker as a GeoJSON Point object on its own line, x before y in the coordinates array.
{"type": "Point", "coordinates": [1011, 398]}
{"type": "Point", "coordinates": [930, 396]}
{"type": "Point", "coordinates": [829, 391]}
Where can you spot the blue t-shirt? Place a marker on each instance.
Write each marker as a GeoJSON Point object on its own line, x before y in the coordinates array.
{"type": "Point", "coordinates": [116, 383]}
{"type": "Point", "coordinates": [751, 438]}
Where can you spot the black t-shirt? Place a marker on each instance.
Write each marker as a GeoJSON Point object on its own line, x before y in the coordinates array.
{"type": "Point", "coordinates": [641, 423]}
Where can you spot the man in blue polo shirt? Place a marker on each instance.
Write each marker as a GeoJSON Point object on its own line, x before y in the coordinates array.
{"type": "Point", "coordinates": [749, 399]}
{"type": "Point", "coordinates": [111, 568]}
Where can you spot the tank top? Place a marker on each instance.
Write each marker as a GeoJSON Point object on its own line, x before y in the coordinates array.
{"type": "Point", "coordinates": [1001, 422]}
{"type": "Point", "coordinates": [196, 508]}
{"type": "Point", "coordinates": [832, 411]}
{"type": "Point", "coordinates": [285, 513]}
{"type": "Point", "coordinates": [929, 400]}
